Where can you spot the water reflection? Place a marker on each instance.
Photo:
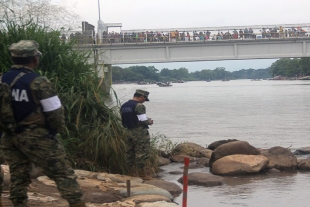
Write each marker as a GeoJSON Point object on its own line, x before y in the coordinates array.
{"type": "Point", "coordinates": [262, 177]}
{"type": "Point", "coordinates": [259, 113]}
{"type": "Point", "coordinates": [257, 190]}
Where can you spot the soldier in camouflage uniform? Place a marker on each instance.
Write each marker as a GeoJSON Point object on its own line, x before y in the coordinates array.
{"type": "Point", "coordinates": [136, 122]}
{"type": "Point", "coordinates": [39, 111]}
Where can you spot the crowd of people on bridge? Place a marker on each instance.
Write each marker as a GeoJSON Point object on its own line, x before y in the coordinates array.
{"type": "Point", "coordinates": [175, 36]}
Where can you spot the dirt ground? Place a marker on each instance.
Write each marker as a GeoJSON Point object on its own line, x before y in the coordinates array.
{"type": "Point", "coordinates": [41, 195]}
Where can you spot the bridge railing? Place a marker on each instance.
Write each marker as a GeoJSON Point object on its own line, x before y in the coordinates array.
{"type": "Point", "coordinates": [88, 37]}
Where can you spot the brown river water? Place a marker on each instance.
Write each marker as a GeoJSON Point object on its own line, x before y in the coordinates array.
{"type": "Point", "coordinates": [263, 113]}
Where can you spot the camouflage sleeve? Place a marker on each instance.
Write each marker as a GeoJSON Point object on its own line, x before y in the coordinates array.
{"type": "Point", "coordinates": [141, 113]}
{"type": "Point", "coordinates": [51, 105]}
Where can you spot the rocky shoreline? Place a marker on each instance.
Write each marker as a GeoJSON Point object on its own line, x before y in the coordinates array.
{"type": "Point", "coordinates": [221, 158]}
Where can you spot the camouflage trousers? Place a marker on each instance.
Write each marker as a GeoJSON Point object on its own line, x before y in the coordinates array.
{"type": "Point", "coordinates": [35, 146]}
{"type": "Point", "coordinates": [1, 173]}
{"type": "Point", "coordinates": [138, 147]}
{"type": "Point", "coordinates": [1, 183]}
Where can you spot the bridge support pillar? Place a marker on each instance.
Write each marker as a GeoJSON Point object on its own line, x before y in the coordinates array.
{"type": "Point", "coordinates": [106, 75]}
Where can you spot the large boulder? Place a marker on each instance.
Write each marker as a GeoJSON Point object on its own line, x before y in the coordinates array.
{"type": "Point", "coordinates": [205, 153]}
{"type": "Point", "coordinates": [203, 161]}
{"type": "Point", "coordinates": [191, 149]}
{"type": "Point", "coordinates": [145, 189]}
{"type": "Point", "coordinates": [137, 199]}
{"type": "Point", "coordinates": [239, 164]}
{"type": "Point", "coordinates": [157, 204]}
{"type": "Point", "coordinates": [304, 164]}
{"type": "Point", "coordinates": [232, 148]}
{"type": "Point", "coordinates": [199, 163]}
{"type": "Point", "coordinates": [173, 188]}
{"type": "Point", "coordinates": [180, 158]}
{"type": "Point", "coordinates": [302, 151]}
{"type": "Point", "coordinates": [204, 179]}
{"type": "Point", "coordinates": [117, 178]}
{"type": "Point", "coordinates": [216, 144]}
{"type": "Point", "coordinates": [281, 158]}
{"type": "Point", "coordinates": [163, 161]}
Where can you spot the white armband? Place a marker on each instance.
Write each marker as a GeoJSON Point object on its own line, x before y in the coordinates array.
{"type": "Point", "coordinates": [142, 117]}
{"type": "Point", "coordinates": [50, 104]}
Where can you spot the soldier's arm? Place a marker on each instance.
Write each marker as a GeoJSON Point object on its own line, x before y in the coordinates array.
{"type": "Point", "coordinates": [51, 105]}
{"type": "Point", "coordinates": [141, 113]}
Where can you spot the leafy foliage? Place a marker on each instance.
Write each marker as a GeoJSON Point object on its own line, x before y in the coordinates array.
{"type": "Point", "coordinates": [41, 12]}
{"type": "Point", "coordinates": [94, 136]}
{"type": "Point", "coordinates": [291, 67]}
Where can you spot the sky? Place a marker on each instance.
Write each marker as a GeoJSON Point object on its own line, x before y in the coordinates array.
{"type": "Point", "coordinates": [144, 14]}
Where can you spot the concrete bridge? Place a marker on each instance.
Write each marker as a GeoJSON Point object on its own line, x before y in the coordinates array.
{"type": "Point", "coordinates": [199, 44]}
{"type": "Point", "coordinates": [201, 51]}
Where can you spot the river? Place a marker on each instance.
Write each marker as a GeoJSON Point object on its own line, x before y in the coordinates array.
{"type": "Point", "coordinates": [263, 113]}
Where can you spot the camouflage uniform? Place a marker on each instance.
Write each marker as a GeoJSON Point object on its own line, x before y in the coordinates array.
{"type": "Point", "coordinates": [37, 143]}
{"type": "Point", "coordinates": [1, 173]}
{"type": "Point", "coordinates": [138, 142]}
{"type": "Point", "coordinates": [138, 139]}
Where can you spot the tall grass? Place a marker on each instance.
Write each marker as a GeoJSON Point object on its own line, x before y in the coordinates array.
{"type": "Point", "coordinates": [94, 137]}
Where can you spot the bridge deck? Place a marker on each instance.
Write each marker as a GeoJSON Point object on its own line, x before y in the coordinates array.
{"type": "Point", "coordinates": [191, 34]}
{"type": "Point", "coordinates": [139, 46]}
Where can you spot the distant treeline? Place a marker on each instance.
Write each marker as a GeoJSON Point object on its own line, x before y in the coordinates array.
{"type": "Point", "coordinates": [291, 67]}
{"type": "Point", "coordinates": [287, 67]}
{"type": "Point", "coordinates": [151, 74]}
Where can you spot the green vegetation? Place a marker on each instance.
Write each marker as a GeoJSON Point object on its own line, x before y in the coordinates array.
{"type": "Point", "coordinates": [94, 137]}
{"type": "Point", "coordinates": [291, 67]}
{"type": "Point", "coordinates": [151, 74]}
{"type": "Point", "coordinates": [285, 67]}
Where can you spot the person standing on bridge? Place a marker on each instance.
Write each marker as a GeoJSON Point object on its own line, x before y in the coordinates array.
{"type": "Point", "coordinates": [134, 119]}
{"type": "Point", "coordinates": [40, 116]}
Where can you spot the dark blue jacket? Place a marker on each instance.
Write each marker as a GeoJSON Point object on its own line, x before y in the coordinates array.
{"type": "Point", "coordinates": [128, 113]}
{"type": "Point", "coordinates": [22, 99]}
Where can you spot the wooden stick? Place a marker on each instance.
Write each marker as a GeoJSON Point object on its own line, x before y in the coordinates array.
{"type": "Point", "coordinates": [128, 188]}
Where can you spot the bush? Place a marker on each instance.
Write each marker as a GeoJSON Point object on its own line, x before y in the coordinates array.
{"type": "Point", "coordinates": [94, 137]}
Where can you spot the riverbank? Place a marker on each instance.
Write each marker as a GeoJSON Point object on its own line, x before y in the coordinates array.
{"type": "Point", "coordinates": [104, 189]}
{"type": "Point", "coordinates": [100, 189]}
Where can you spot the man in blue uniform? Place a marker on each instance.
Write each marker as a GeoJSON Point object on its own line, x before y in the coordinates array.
{"type": "Point", "coordinates": [136, 122]}
{"type": "Point", "coordinates": [40, 114]}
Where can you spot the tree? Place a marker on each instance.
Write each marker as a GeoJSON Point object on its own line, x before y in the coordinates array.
{"type": "Point", "coordinates": [183, 73]}
{"type": "Point", "coordinates": [130, 75]}
{"type": "Point", "coordinates": [117, 73]}
{"type": "Point", "coordinates": [206, 74]}
{"type": "Point", "coordinates": [153, 73]}
{"type": "Point", "coordinates": [165, 72]}
{"type": "Point", "coordinates": [195, 75]}
{"type": "Point", "coordinates": [219, 73]}
{"type": "Point", "coordinates": [260, 74]}
{"type": "Point", "coordinates": [293, 68]}
{"type": "Point", "coordinates": [41, 12]}
{"type": "Point", "coordinates": [305, 66]}
{"type": "Point", "coordinates": [279, 67]}
{"type": "Point", "coordinates": [94, 136]}
{"type": "Point", "coordinates": [289, 67]}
